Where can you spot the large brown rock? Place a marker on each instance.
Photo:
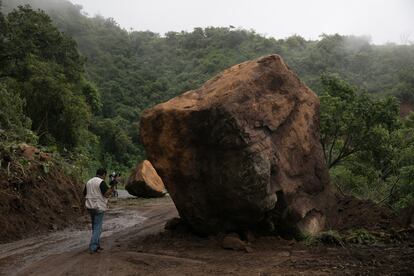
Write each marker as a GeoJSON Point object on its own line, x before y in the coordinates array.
{"type": "Point", "coordinates": [145, 182]}
{"type": "Point", "coordinates": [242, 150]}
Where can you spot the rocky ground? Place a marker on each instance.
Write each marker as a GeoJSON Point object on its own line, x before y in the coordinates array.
{"type": "Point", "coordinates": [136, 244]}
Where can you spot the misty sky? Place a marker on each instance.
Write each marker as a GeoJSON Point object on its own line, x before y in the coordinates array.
{"type": "Point", "coordinates": [382, 20]}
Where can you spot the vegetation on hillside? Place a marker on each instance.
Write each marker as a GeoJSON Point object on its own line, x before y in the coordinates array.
{"type": "Point", "coordinates": [368, 147]}
{"type": "Point", "coordinates": [46, 97]}
{"type": "Point", "coordinates": [87, 105]}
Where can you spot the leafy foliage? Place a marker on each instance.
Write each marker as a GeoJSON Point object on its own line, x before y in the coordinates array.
{"type": "Point", "coordinates": [352, 122]}
{"type": "Point", "coordinates": [45, 68]}
{"type": "Point", "coordinates": [14, 125]}
{"type": "Point", "coordinates": [369, 149]}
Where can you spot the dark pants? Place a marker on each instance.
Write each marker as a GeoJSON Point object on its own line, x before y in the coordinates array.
{"type": "Point", "coordinates": [96, 219]}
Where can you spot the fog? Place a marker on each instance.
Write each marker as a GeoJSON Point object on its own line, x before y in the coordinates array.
{"type": "Point", "coordinates": [382, 20]}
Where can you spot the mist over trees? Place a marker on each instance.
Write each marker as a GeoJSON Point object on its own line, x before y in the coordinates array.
{"type": "Point", "coordinates": [82, 85]}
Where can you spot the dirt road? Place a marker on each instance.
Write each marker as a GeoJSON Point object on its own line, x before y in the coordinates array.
{"type": "Point", "coordinates": [135, 244]}
{"type": "Point", "coordinates": [65, 252]}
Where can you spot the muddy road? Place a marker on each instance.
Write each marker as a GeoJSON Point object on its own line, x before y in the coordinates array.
{"type": "Point", "coordinates": [135, 243]}
{"type": "Point", "coordinates": [65, 252]}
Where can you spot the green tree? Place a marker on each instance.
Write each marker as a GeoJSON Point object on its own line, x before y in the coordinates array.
{"type": "Point", "coordinates": [44, 66]}
{"type": "Point", "coordinates": [352, 122]}
{"type": "Point", "coordinates": [116, 144]}
{"type": "Point", "coordinates": [369, 149]}
{"type": "Point", "coordinates": [14, 125]}
{"type": "Point", "coordinates": [402, 191]}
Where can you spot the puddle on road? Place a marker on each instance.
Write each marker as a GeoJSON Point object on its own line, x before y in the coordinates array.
{"type": "Point", "coordinates": [118, 223]}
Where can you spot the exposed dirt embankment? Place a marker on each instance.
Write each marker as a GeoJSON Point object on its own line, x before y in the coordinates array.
{"type": "Point", "coordinates": [36, 195]}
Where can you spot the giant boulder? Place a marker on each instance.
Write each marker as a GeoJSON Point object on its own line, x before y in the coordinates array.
{"type": "Point", "coordinates": [242, 150]}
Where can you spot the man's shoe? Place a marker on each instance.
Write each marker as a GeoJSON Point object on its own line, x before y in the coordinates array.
{"type": "Point", "coordinates": [99, 248]}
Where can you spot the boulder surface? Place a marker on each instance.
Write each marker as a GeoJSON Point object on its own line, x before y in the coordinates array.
{"type": "Point", "coordinates": [145, 182]}
{"type": "Point", "coordinates": [242, 150]}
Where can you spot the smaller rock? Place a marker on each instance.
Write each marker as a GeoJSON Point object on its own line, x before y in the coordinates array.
{"type": "Point", "coordinates": [283, 254]}
{"type": "Point", "coordinates": [28, 151]}
{"type": "Point", "coordinates": [45, 157]}
{"type": "Point", "coordinates": [248, 249]}
{"type": "Point", "coordinates": [292, 242]}
{"type": "Point", "coordinates": [248, 236]}
{"type": "Point", "coordinates": [232, 241]}
{"type": "Point", "coordinates": [145, 182]}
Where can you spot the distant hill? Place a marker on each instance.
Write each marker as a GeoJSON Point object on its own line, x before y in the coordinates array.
{"type": "Point", "coordinates": [135, 70]}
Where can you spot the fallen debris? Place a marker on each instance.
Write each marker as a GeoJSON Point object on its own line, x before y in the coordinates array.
{"type": "Point", "coordinates": [145, 182]}
{"type": "Point", "coordinates": [233, 241]}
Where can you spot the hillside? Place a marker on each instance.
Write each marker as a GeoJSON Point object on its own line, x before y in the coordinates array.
{"type": "Point", "coordinates": [135, 70]}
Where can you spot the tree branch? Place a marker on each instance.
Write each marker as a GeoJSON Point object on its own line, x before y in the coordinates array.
{"type": "Point", "coordinates": [332, 146]}
{"type": "Point", "coordinates": [392, 189]}
{"type": "Point", "coordinates": [342, 153]}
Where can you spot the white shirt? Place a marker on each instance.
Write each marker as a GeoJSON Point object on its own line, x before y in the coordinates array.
{"type": "Point", "coordinates": [94, 196]}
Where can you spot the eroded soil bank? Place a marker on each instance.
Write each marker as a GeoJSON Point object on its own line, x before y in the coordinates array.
{"type": "Point", "coordinates": [136, 244]}
{"type": "Point", "coordinates": [37, 193]}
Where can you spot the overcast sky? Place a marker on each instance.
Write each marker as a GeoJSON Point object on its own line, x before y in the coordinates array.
{"type": "Point", "coordinates": [382, 20]}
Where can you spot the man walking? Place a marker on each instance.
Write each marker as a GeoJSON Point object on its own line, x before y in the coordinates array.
{"type": "Point", "coordinates": [97, 193]}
